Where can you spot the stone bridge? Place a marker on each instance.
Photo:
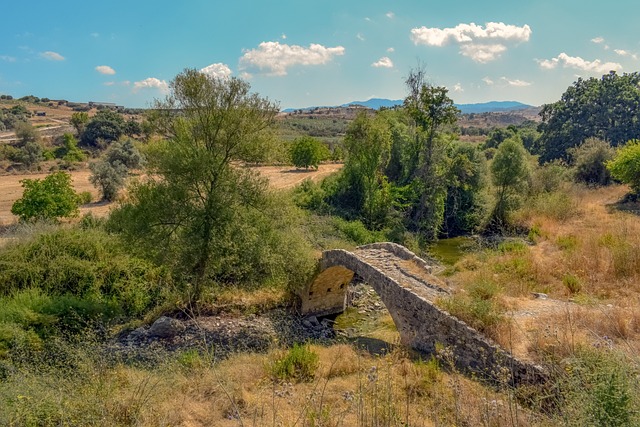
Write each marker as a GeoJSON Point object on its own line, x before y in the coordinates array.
{"type": "Point", "coordinates": [408, 290]}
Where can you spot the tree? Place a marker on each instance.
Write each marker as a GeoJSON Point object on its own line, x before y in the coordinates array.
{"type": "Point", "coordinates": [625, 167]}
{"type": "Point", "coordinates": [308, 152]}
{"type": "Point", "coordinates": [105, 127]}
{"type": "Point", "coordinates": [30, 152]}
{"type": "Point", "coordinates": [107, 177]}
{"type": "Point", "coordinates": [367, 142]}
{"type": "Point", "coordinates": [196, 209]}
{"type": "Point", "coordinates": [70, 152]}
{"type": "Point", "coordinates": [607, 108]}
{"type": "Point", "coordinates": [465, 206]}
{"type": "Point", "coordinates": [79, 120]}
{"type": "Point", "coordinates": [510, 173]}
{"type": "Point", "coordinates": [50, 198]}
{"type": "Point", "coordinates": [109, 174]}
{"type": "Point", "coordinates": [431, 109]}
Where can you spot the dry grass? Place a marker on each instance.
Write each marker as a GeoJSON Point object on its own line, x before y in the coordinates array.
{"type": "Point", "coordinates": [591, 258]}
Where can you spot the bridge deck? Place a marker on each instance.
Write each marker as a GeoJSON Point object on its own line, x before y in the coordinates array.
{"type": "Point", "coordinates": [406, 272]}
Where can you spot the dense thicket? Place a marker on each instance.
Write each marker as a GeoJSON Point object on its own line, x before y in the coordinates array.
{"type": "Point", "coordinates": [607, 108]}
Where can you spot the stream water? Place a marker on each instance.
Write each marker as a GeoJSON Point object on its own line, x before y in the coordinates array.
{"type": "Point", "coordinates": [449, 251]}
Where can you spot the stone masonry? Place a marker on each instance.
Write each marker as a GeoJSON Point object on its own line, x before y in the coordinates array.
{"type": "Point", "coordinates": [408, 289]}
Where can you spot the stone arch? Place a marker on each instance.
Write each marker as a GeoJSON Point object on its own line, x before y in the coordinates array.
{"type": "Point", "coordinates": [406, 287]}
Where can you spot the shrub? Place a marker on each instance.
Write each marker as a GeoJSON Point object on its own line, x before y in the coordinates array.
{"type": "Point", "coordinates": [299, 363]}
{"type": "Point", "coordinates": [589, 162]}
{"type": "Point", "coordinates": [572, 283]}
{"type": "Point", "coordinates": [625, 167]}
{"type": "Point", "coordinates": [108, 178]}
{"type": "Point", "coordinates": [50, 198]}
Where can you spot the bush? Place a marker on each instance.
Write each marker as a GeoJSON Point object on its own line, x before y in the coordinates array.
{"type": "Point", "coordinates": [299, 363]}
{"type": "Point", "coordinates": [625, 167]}
{"type": "Point", "coordinates": [89, 264]}
{"type": "Point", "coordinates": [589, 162]}
{"type": "Point", "coordinates": [50, 198]}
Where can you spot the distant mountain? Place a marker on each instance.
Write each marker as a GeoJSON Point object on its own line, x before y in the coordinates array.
{"type": "Point", "coordinates": [483, 107]}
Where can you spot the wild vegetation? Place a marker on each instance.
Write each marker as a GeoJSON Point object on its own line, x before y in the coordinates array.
{"type": "Point", "coordinates": [195, 232]}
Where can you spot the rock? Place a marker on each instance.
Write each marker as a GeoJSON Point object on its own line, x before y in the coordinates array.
{"type": "Point", "coordinates": [539, 295]}
{"type": "Point", "coordinates": [166, 327]}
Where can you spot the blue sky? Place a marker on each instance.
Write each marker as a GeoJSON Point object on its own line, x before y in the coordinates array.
{"type": "Point", "coordinates": [304, 53]}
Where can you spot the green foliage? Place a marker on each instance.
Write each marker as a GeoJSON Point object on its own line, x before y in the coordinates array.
{"type": "Point", "coordinates": [108, 178]}
{"type": "Point", "coordinates": [109, 174]}
{"type": "Point", "coordinates": [29, 154]}
{"type": "Point", "coordinates": [479, 307]}
{"type": "Point", "coordinates": [79, 120]}
{"type": "Point", "coordinates": [363, 188]}
{"type": "Point", "coordinates": [196, 212]}
{"type": "Point", "coordinates": [589, 162]}
{"type": "Point", "coordinates": [299, 363]}
{"type": "Point", "coordinates": [70, 152]}
{"type": "Point", "coordinates": [466, 205]}
{"type": "Point", "coordinates": [105, 127]}
{"type": "Point", "coordinates": [599, 390]}
{"type": "Point", "coordinates": [550, 177]}
{"type": "Point", "coordinates": [572, 283]}
{"type": "Point", "coordinates": [25, 133]}
{"type": "Point", "coordinates": [605, 108]}
{"type": "Point", "coordinates": [625, 167]}
{"type": "Point", "coordinates": [430, 109]}
{"type": "Point", "coordinates": [308, 152]}
{"type": "Point", "coordinates": [49, 198]}
{"type": "Point", "coordinates": [510, 173]}
{"type": "Point", "coordinates": [89, 264]}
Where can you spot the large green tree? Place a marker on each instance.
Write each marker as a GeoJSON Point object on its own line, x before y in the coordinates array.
{"type": "Point", "coordinates": [307, 152]}
{"type": "Point", "coordinates": [367, 143]}
{"type": "Point", "coordinates": [607, 108]}
{"type": "Point", "coordinates": [105, 127]}
{"type": "Point", "coordinates": [510, 172]}
{"type": "Point", "coordinates": [430, 109]}
{"type": "Point", "coordinates": [198, 209]}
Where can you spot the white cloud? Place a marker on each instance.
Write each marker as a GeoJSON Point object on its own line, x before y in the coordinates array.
{"type": "Point", "coordinates": [578, 63]}
{"type": "Point", "coordinates": [360, 37]}
{"type": "Point", "coordinates": [52, 56]}
{"type": "Point", "coordinates": [597, 40]}
{"type": "Point", "coordinates": [95, 35]}
{"type": "Point", "coordinates": [105, 69]}
{"type": "Point", "coordinates": [390, 15]}
{"type": "Point", "coordinates": [467, 33]}
{"type": "Point", "coordinates": [458, 88]}
{"type": "Point", "coordinates": [246, 76]}
{"type": "Point", "coordinates": [217, 70]}
{"type": "Point", "coordinates": [151, 82]}
{"type": "Point", "coordinates": [383, 62]}
{"type": "Point", "coordinates": [488, 81]}
{"type": "Point", "coordinates": [482, 53]}
{"type": "Point", "coordinates": [109, 83]}
{"type": "Point", "coordinates": [516, 82]}
{"type": "Point", "coordinates": [7, 58]}
{"type": "Point", "coordinates": [391, 50]}
{"type": "Point", "coordinates": [275, 58]}
{"type": "Point", "coordinates": [623, 52]}
{"type": "Point", "coordinates": [368, 19]}
{"type": "Point", "coordinates": [283, 36]}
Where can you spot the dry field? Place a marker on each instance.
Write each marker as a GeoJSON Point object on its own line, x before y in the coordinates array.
{"type": "Point", "coordinates": [282, 177]}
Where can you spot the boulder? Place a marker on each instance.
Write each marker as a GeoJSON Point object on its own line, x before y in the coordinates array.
{"type": "Point", "coordinates": [166, 327]}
